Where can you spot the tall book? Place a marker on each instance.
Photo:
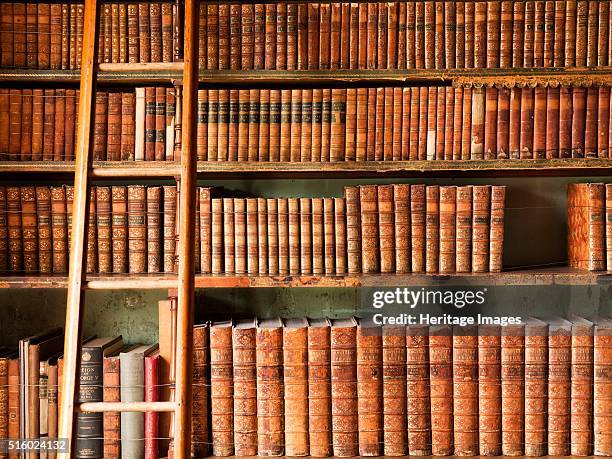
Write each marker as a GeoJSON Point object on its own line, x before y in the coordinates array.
{"type": "Point", "coordinates": [602, 422]}
{"type": "Point", "coordinates": [245, 388]}
{"type": "Point", "coordinates": [513, 389]}
{"type": "Point", "coordinates": [221, 388]}
{"type": "Point", "coordinates": [441, 383]}
{"type": "Point", "coordinates": [489, 390]}
{"type": "Point", "coordinates": [581, 390]}
{"type": "Point", "coordinates": [536, 363]}
{"type": "Point", "coordinates": [418, 390]}
{"type": "Point", "coordinates": [559, 386]}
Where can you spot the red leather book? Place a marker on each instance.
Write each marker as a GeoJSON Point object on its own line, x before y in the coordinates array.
{"type": "Point", "coordinates": [394, 381]}
{"type": "Point", "coordinates": [579, 96]}
{"type": "Point", "coordinates": [259, 36]}
{"type": "Point", "coordinates": [370, 241]}
{"type": "Point", "coordinates": [559, 387]}
{"type": "Point", "coordinates": [221, 389]}
{"type": "Point", "coordinates": [465, 390]}
{"type": "Point", "coordinates": [603, 121]}
{"type": "Point", "coordinates": [308, 39]}
{"type": "Point", "coordinates": [224, 37]}
{"type": "Point", "coordinates": [401, 210]}
{"type": "Point", "coordinates": [590, 130]}
{"type": "Point", "coordinates": [470, 35]}
{"type": "Point", "coordinates": [602, 385]}
{"type": "Point", "coordinates": [293, 25]}
{"type": "Point", "coordinates": [418, 390]}
{"type": "Point", "coordinates": [552, 122]}
{"type": "Point", "coordinates": [441, 383]}
{"type": "Point", "coordinates": [247, 37]}
{"type": "Point", "coordinates": [353, 229]}
{"type": "Point", "coordinates": [581, 391]}
{"type": "Point", "coordinates": [513, 389]}
{"type": "Point", "coordinates": [151, 394]}
{"type": "Point", "coordinates": [490, 123]}
{"type": "Point", "coordinates": [245, 388]}
{"type": "Point", "coordinates": [536, 366]}
{"type": "Point", "coordinates": [489, 390]}
{"type": "Point", "coordinates": [334, 36]}
{"type": "Point", "coordinates": [319, 388]}
{"type": "Point", "coordinates": [503, 123]}
{"type": "Point", "coordinates": [270, 37]}
{"type": "Point", "coordinates": [386, 228]}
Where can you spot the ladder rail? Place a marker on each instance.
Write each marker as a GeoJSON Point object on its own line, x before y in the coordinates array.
{"type": "Point", "coordinates": [80, 213]}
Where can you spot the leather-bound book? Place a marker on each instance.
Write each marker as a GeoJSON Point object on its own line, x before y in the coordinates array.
{"type": "Point", "coordinates": [457, 45]}
{"type": "Point", "coordinates": [270, 404]}
{"type": "Point", "coordinates": [603, 39]}
{"type": "Point", "coordinates": [371, 134]}
{"type": "Point", "coordinates": [463, 241]}
{"type": "Point", "coordinates": [549, 34]}
{"type": "Point", "coordinates": [496, 236]}
{"type": "Point", "coordinates": [166, 33]}
{"type": "Point", "coordinates": [466, 128]}
{"type": "Point", "coordinates": [295, 379]}
{"type": "Point", "coordinates": [283, 236]}
{"type": "Point", "coordinates": [581, 387]}
{"type": "Point", "coordinates": [29, 230]}
{"type": "Point", "coordinates": [395, 439]}
{"type": "Point", "coordinates": [345, 32]}
{"type": "Point", "coordinates": [31, 35]}
{"type": "Point", "coordinates": [100, 126]}
{"type": "Point", "coordinates": [490, 123]}
{"type": "Point", "coordinates": [353, 229]}
{"type": "Point", "coordinates": [379, 138]}
{"type": "Point", "coordinates": [205, 230]}
{"type": "Point", "coordinates": [329, 236]}
{"type": "Point", "coordinates": [565, 122]}
{"type": "Point", "coordinates": [201, 126]}
{"type": "Point", "coordinates": [405, 124]}
{"type": "Point", "coordinates": [263, 141]}
{"type": "Point", "coordinates": [224, 37]}
{"type": "Point", "coordinates": [296, 125]}
{"type": "Point", "coordinates": [448, 20]}
{"type": "Point", "coordinates": [252, 240]}
{"type": "Point", "coordinates": [317, 125]}
{"type": "Point", "coordinates": [5, 124]}
{"type": "Point", "coordinates": [115, 29]}
{"type": "Point", "coordinates": [317, 231]}
{"type": "Point", "coordinates": [149, 124]}
{"type": "Point", "coordinates": [160, 124]}
{"type": "Point", "coordinates": [448, 130]}
{"type": "Point", "coordinates": [358, 41]}
{"type": "Point", "coordinates": [552, 121]}
{"type": "Point", "coordinates": [284, 127]}
{"type": "Point", "coordinates": [344, 387]}
{"type": "Point", "coordinates": [133, 36]}
{"type": "Point", "coordinates": [387, 35]}
{"type": "Point", "coordinates": [235, 28]}
{"type": "Point", "coordinates": [481, 227]}
{"type": "Point", "coordinates": [144, 33]}
{"type": "Point", "coordinates": [153, 229]}
{"type": "Point", "coordinates": [429, 135]}
{"type": "Point", "coordinates": [338, 125]}
{"type": "Point", "coordinates": [608, 230]}
{"type": "Point", "coordinates": [418, 223]}
{"type": "Point", "coordinates": [69, 209]}
{"type": "Point", "coordinates": [489, 390]}
{"type": "Point", "coordinates": [582, 17]}
{"type": "Point", "coordinates": [586, 227]}
{"type": "Point", "coordinates": [119, 225]}
{"type": "Point", "coordinates": [401, 211]}
{"type": "Point", "coordinates": [538, 36]}
{"type": "Point", "coordinates": [370, 239]}
{"type": "Point", "coordinates": [470, 35]}
{"type": "Point", "coordinates": [513, 389]}
{"type": "Point", "coordinates": [410, 35]}
{"type": "Point", "coordinates": [570, 34]}
{"type": "Point", "coordinates": [245, 388]}
{"type": "Point", "coordinates": [49, 126]}
{"type": "Point", "coordinates": [137, 228]}
{"type": "Point", "coordinates": [216, 236]}
{"type": "Point", "coordinates": [559, 33]}
{"type": "Point", "coordinates": [306, 125]}
{"type": "Point", "coordinates": [319, 388]}
{"type": "Point", "coordinates": [37, 126]}
{"type": "Point", "coordinates": [111, 381]}
{"type": "Point", "coordinates": [281, 37]}
{"type": "Point", "coordinates": [270, 37]}
{"type": "Point", "coordinates": [272, 234]}
{"type": "Point", "coordinates": [372, 35]}
{"type": "Point", "coordinates": [440, 36]}
{"type": "Point", "coordinates": [43, 229]}
{"type": "Point", "coordinates": [448, 216]}
{"type": "Point", "coordinates": [212, 37]}
{"type": "Point", "coordinates": [140, 124]}
{"type": "Point", "coordinates": [503, 123]}
{"type": "Point", "coordinates": [590, 125]}
{"type": "Point", "coordinates": [334, 36]}
{"type": "Point", "coordinates": [324, 36]}
{"type": "Point", "coordinates": [113, 134]}
{"type": "Point", "coordinates": [536, 361]}
{"type": "Point", "coordinates": [259, 36]}
{"type": "Point", "coordinates": [19, 35]}
{"type": "Point", "coordinates": [13, 402]}
{"type": "Point", "coordinates": [351, 125]}
{"type": "Point", "coordinates": [432, 228]}
{"type": "Point", "coordinates": [478, 123]}
{"type": "Point", "coordinates": [128, 125]}
{"type": "Point", "coordinates": [106, 33]}
{"type": "Point", "coordinates": [26, 126]}
{"type": "Point", "coordinates": [529, 34]}
{"type": "Point", "coordinates": [326, 121]}
{"type": "Point", "coordinates": [212, 128]}
{"type": "Point", "coordinates": [43, 33]}
{"type": "Point", "coordinates": [506, 28]}
{"type": "Point", "coordinates": [6, 36]}
{"type": "Point", "coordinates": [293, 26]}
{"type": "Point", "coordinates": [603, 120]}
{"type": "Point", "coordinates": [370, 405]}
{"type": "Point", "coordinates": [246, 36]}
{"type": "Point", "coordinates": [413, 152]}
{"type": "Point", "coordinates": [200, 394]}
{"type": "Point", "coordinates": [340, 236]}
{"type": "Point", "coordinates": [221, 389]}
{"type": "Point", "coordinates": [3, 231]}
{"type": "Point", "coordinates": [417, 385]}
{"type": "Point", "coordinates": [441, 384]}
{"type": "Point", "coordinates": [429, 34]}
{"type": "Point", "coordinates": [305, 235]}
{"type": "Point", "coordinates": [602, 386]}
{"type": "Point", "coordinates": [262, 236]}
{"type": "Point", "coordinates": [465, 390]}
{"type": "Point", "coordinates": [559, 387]}
{"type": "Point", "coordinates": [103, 226]}
{"type": "Point", "coordinates": [592, 33]}
{"type": "Point", "coordinates": [65, 57]}
{"type": "Point", "coordinates": [169, 231]}
{"type": "Point", "coordinates": [386, 228]}
{"type": "Point", "coordinates": [240, 244]}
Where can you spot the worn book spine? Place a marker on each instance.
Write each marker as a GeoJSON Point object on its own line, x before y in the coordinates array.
{"type": "Point", "coordinates": [111, 419]}
{"type": "Point", "coordinates": [239, 233]}
{"type": "Point", "coordinates": [103, 226]}
{"type": "Point", "coordinates": [490, 123]}
{"type": "Point", "coordinates": [26, 126]}
{"type": "Point", "coordinates": [578, 121]}
{"type": "Point", "coordinates": [590, 129]}
{"type": "Point", "coordinates": [370, 390]}
{"type": "Point", "coordinates": [329, 236]}
{"type": "Point", "coordinates": [137, 228]}
{"type": "Point", "coordinates": [295, 24]}
{"type": "Point", "coordinates": [221, 391]}
{"type": "Point", "coordinates": [295, 379]}
{"type": "Point", "coordinates": [308, 36]}
{"type": "Point", "coordinates": [552, 122]}
{"type": "Point", "coordinates": [160, 124]}
{"type": "Point", "coordinates": [353, 229]}
{"type": "Point", "coordinates": [334, 36]}
{"type": "Point", "coordinates": [262, 236]}
{"type": "Point", "coordinates": [441, 384]}
{"type": "Point", "coordinates": [466, 130]}
{"type": "Point", "coordinates": [596, 212]}
{"type": "Point", "coordinates": [270, 37]}
{"type": "Point", "coordinates": [228, 235]}
{"type": "Point", "coordinates": [119, 225]}
{"type": "Point", "coordinates": [205, 231]}
{"type": "Point", "coordinates": [153, 229]}
{"type": "Point", "coordinates": [128, 128]}
{"type": "Point", "coordinates": [283, 236]}
{"type": "Point", "coordinates": [481, 227]}
{"type": "Point", "coordinates": [4, 231]}
{"type": "Point", "coordinates": [202, 125]}
{"type": "Point", "coordinates": [29, 233]}
{"type": "Point", "coordinates": [529, 34]}
{"type": "Point", "coordinates": [489, 390]}
{"type": "Point", "coordinates": [305, 235]}
{"type": "Point", "coordinates": [394, 390]}
{"type": "Point", "coordinates": [245, 392]}
{"type": "Point", "coordinates": [465, 364]}
{"type": "Point", "coordinates": [150, 121]}
{"type": "Point", "coordinates": [401, 211]}
{"type": "Point", "coordinates": [270, 406]}
{"type": "Point", "coordinates": [259, 36]}
{"type": "Point", "coordinates": [581, 390]}
{"type": "Point", "coordinates": [418, 224]}
{"type": "Point", "coordinates": [538, 36]}
{"type": "Point", "coordinates": [559, 389]}
{"type": "Point", "coordinates": [608, 223]}
{"type": "Point", "coordinates": [432, 228]}
{"type": "Point", "coordinates": [319, 391]}
{"type": "Point", "coordinates": [246, 36]}
{"type": "Point", "coordinates": [418, 391]}
{"type": "Point", "coordinates": [200, 394]}
{"type": "Point", "coordinates": [216, 236]}
{"type": "Point", "coordinates": [306, 125]}
{"type": "Point", "coordinates": [317, 231]}
{"type": "Point", "coordinates": [264, 126]}
{"type": "Point", "coordinates": [253, 125]}
{"type": "Point", "coordinates": [324, 36]}
{"type": "Point", "coordinates": [513, 390]}
{"type": "Point", "coordinates": [386, 228]}
{"type": "Point", "coordinates": [89, 426]}
{"type": "Point", "coordinates": [49, 125]}
{"type": "Point", "coordinates": [6, 35]}
{"type": "Point", "coordinates": [223, 39]}
{"type": "Point", "coordinates": [317, 125]}
{"type": "Point", "coordinates": [272, 234]}
{"type": "Point", "coordinates": [370, 240]}
{"type": "Point", "coordinates": [43, 227]}
{"type": "Point", "coordinates": [448, 129]}
{"type": "Point", "coordinates": [448, 216]}
{"type": "Point", "coordinates": [340, 236]}
{"type": "Point", "coordinates": [338, 125]}
{"type": "Point", "coordinates": [113, 130]}
{"type": "Point", "coordinates": [169, 229]}
{"type": "Point", "coordinates": [603, 121]}
{"type": "Point", "coordinates": [351, 125]}
{"type": "Point", "coordinates": [565, 122]}
{"type": "Point", "coordinates": [496, 227]}
{"type": "Point", "coordinates": [536, 366]}
{"type": "Point", "coordinates": [602, 385]}
{"type": "Point", "coordinates": [503, 123]}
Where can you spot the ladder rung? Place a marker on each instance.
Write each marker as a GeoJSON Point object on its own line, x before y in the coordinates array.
{"type": "Point", "coordinates": [100, 407]}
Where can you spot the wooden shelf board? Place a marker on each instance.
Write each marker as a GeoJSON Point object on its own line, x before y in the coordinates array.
{"type": "Point", "coordinates": [550, 276]}
{"type": "Point", "coordinates": [349, 169]}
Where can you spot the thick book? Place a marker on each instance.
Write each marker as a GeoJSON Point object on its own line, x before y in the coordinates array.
{"type": "Point", "coordinates": [418, 390]}
{"type": "Point", "coordinates": [586, 227]}
{"type": "Point", "coordinates": [559, 386]}
{"type": "Point", "coordinates": [536, 366]}
{"type": "Point", "coordinates": [581, 387]}
{"type": "Point", "coordinates": [245, 388]}
{"type": "Point", "coordinates": [394, 390]}
{"type": "Point", "coordinates": [489, 390]}
{"type": "Point", "coordinates": [513, 389]}
{"type": "Point", "coordinates": [602, 427]}
{"type": "Point", "coordinates": [221, 389]}
{"type": "Point", "coordinates": [200, 391]}
{"type": "Point", "coordinates": [465, 390]}
{"type": "Point", "coordinates": [441, 384]}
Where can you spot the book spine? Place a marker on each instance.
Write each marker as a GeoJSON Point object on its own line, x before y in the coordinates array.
{"type": "Point", "coordinates": [103, 226]}
{"type": "Point", "coordinates": [205, 230]}
{"type": "Point", "coordinates": [140, 125]}
{"type": "Point", "coordinates": [100, 126]}
{"type": "Point", "coordinates": [43, 224]}
{"type": "Point", "coordinates": [581, 391]}
{"type": "Point", "coordinates": [29, 231]}
{"type": "Point", "coordinates": [114, 119]}
{"type": "Point", "coordinates": [223, 39]}
{"type": "Point", "coordinates": [151, 394]}
{"type": "Point", "coordinates": [489, 390]}
{"type": "Point", "coordinates": [466, 130]}
{"type": "Point", "coordinates": [529, 35]}
{"type": "Point", "coordinates": [295, 363]}
{"type": "Point", "coordinates": [565, 122]}
{"type": "Point", "coordinates": [465, 391]}
{"type": "Point", "coordinates": [602, 385]}
{"type": "Point", "coordinates": [160, 124]}
{"type": "Point", "coordinates": [603, 121]}
{"type": "Point", "coordinates": [169, 229]}
{"type": "Point", "coordinates": [13, 402]}
{"type": "Point", "coordinates": [591, 36]}
{"type": "Point", "coordinates": [7, 50]}
{"type": "Point", "coordinates": [296, 26]}
{"type": "Point", "coordinates": [239, 244]}
{"type": "Point", "coordinates": [401, 211]}
{"type": "Point", "coordinates": [308, 36]}
{"type": "Point", "coordinates": [317, 125]}
{"type": "Point", "coordinates": [536, 366]}
{"type": "Point", "coordinates": [111, 419]}
{"type": "Point", "coordinates": [386, 228]}
{"type": "Point", "coordinates": [283, 236]}
{"type": "Point", "coordinates": [493, 26]}
{"type": "Point", "coordinates": [19, 35]}
{"type": "Point", "coordinates": [559, 391]}
{"type": "Point", "coordinates": [262, 236]}
{"type": "Point", "coordinates": [4, 239]}
{"type": "Point", "coordinates": [245, 392]}
{"type": "Point", "coordinates": [340, 236]}
{"type": "Point", "coordinates": [49, 125]}
{"type": "Point", "coordinates": [441, 384]}
{"type": "Point", "coordinates": [370, 241]}
{"type": "Point", "coordinates": [394, 390]}
{"type": "Point", "coordinates": [603, 39]}
{"type": "Point", "coordinates": [221, 393]}
{"type": "Point", "coordinates": [538, 45]}
{"type": "Point", "coordinates": [549, 35]}
{"type": "Point", "coordinates": [128, 126]}
{"type": "Point", "coordinates": [305, 235]}
{"type": "Point", "coordinates": [166, 33]}
{"type": "Point", "coordinates": [89, 426]}
{"type": "Point", "coordinates": [418, 224]}
{"type": "Point", "coordinates": [560, 32]}
{"type": "Point", "coordinates": [153, 229]}
{"type": "Point", "coordinates": [503, 123]}
{"type": "Point", "coordinates": [26, 125]}
{"type": "Point", "coordinates": [150, 132]}
{"type": "Point", "coordinates": [318, 249]}
{"type": "Point", "coordinates": [319, 391]}
{"type": "Point", "coordinates": [578, 115]}
{"type": "Point", "coordinates": [253, 124]}
{"type": "Point", "coordinates": [608, 223]}
{"type": "Point", "coordinates": [306, 125]}
{"type": "Point", "coordinates": [490, 123]}
{"type": "Point", "coordinates": [259, 34]}
{"type": "Point", "coordinates": [264, 126]}
{"type": "Point", "coordinates": [552, 122]}
{"type": "Point", "coordinates": [370, 391]}
{"type": "Point", "coordinates": [228, 236]}
{"type": "Point", "coordinates": [596, 212]}
{"type": "Point", "coordinates": [432, 228]}
{"type": "Point", "coordinates": [119, 229]}
{"type": "Point", "coordinates": [329, 241]}
{"type": "Point", "coordinates": [137, 228]}
{"type": "Point", "coordinates": [496, 236]}
{"type": "Point", "coordinates": [212, 126]}
{"type": "Point", "coordinates": [325, 36]}
{"type": "Point", "coordinates": [448, 216]}
{"type": "Point", "coordinates": [448, 129]}
{"type": "Point", "coordinates": [513, 390]}
{"type": "Point", "coordinates": [43, 36]}
{"type": "Point", "coordinates": [481, 216]}
{"type": "Point", "coordinates": [270, 36]}
{"type": "Point", "coordinates": [464, 229]}
{"type": "Point", "coordinates": [272, 231]}
{"type": "Point", "coordinates": [418, 391]}
{"type": "Point", "coordinates": [252, 252]}
{"type": "Point", "coordinates": [216, 236]}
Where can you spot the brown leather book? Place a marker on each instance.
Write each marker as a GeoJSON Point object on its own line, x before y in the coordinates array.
{"type": "Point", "coordinates": [69, 209]}
{"type": "Point", "coordinates": [275, 126]}
{"type": "Point", "coordinates": [19, 35]}
{"type": "Point", "coordinates": [393, 123]}
{"type": "Point", "coordinates": [465, 390]}
{"type": "Point", "coordinates": [166, 33]}
{"type": "Point", "coordinates": [506, 28]}
{"type": "Point", "coordinates": [394, 390]}
{"type": "Point", "coordinates": [326, 119]}
{"type": "Point", "coordinates": [353, 229]}
{"type": "Point", "coordinates": [466, 129]}
{"type": "Point", "coordinates": [43, 36]}
{"type": "Point", "coordinates": [247, 36]}
{"type": "Point", "coordinates": [13, 407]}
{"type": "Point", "coordinates": [502, 123]}
{"type": "Point", "coordinates": [463, 242]}
{"type": "Point", "coordinates": [460, 33]}
{"type": "Point", "coordinates": [370, 389]}
{"type": "Point", "coordinates": [358, 36]}
{"type": "Point", "coordinates": [586, 232]}
{"type": "Point", "coordinates": [237, 255]}
{"type": "Point", "coordinates": [334, 36]}
{"type": "Point", "coordinates": [216, 223]}
{"type": "Point", "coordinates": [212, 37]}
{"type": "Point", "coordinates": [212, 128]}
{"type": "Point", "coordinates": [308, 38]}
{"type": "Point", "coordinates": [262, 236]}
{"type": "Point", "coordinates": [150, 121]}
{"type": "Point", "coordinates": [31, 35]}
{"type": "Point", "coordinates": [371, 41]}
{"type": "Point", "coordinates": [205, 230]}
{"type": "Point", "coordinates": [160, 124]}
{"type": "Point", "coordinates": [538, 36]}
{"type": "Point", "coordinates": [579, 96]}
{"type": "Point", "coordinates": [338, 125]}
{"type": "Point", "coordinates": [293, 26]}
{"type": "Point", "coordinates": [429, 34]}
{"type": "Point", "coordinates": [235, 28]}
{"type": "Point", "coordinates": [3, 231]}
{"type": "Point", "coordinates": [59, 139]}
{"type": "Point", "coordinates": [106, 33]}
{"type": "Point", "coordinates": [283, 236]}
{"type": "Point", "coordinates": [144, 32]}
{"type": "Point", "coordinates": [582, 19]}
{"type": "Point", "coordinates": [137, 228]}
{"type": "Point", "coordinates": [6, 35]}
{"type": "Point", "coordinates": [411, 35]}
{"type": "Point", "coordinates": [432, 228]}
{"type": "Point", "coordinates": [272, 235]}
{"type": "Point", "coordinates": [590, 129]}
{"type": "Point", "coordinates": [430, 134]}
{"type": "Point", "coordinates": [103, 226]}
{"type": "Point", "coordinates": [441, 384]}
{"type": "Point", "coordinates": [317, 125]}
{"type": "Point", "coordinates": [490, 123]}
{"type": "Point", "coordinates": [221, 388]}
{"type": "Point", "coordinates": [549, 34]}
{"type": "Point", "coordinates": [153, 229]}
{"type": "Point", "coordinates": [413, 152]}
{"type": "Point", "coordinates": [481, 227]}
{"type": "Point", "coordinates": [296, 125]}
{"type": "Point", "coordinates": [252, 252]}
{"type": "Point", "coordinates": [565, 122]}
{"type": "Point", "coordinates": [370, 240]}
{"type": "Point", "coordinates": [270, 404]}
{"type": "Point", "coordinates": [29, 233]}
{"type": "Point", "coordinates": [270, 37]}
{"type": "Point", "coordinates": [552, 122]}
{"type": "Point", "coordinates": [284, 128]}
{"type": "Point", "coordinates": [371, 116]}
{"type": "Point", "coordinates": [559, 386]}
{"type": "Point", "coordinates": [401, 211]}
{"type": "Point", "coordinates": [115, 29]}
{"type": "Point", "coordinates": [263, 141]}
{"type": "Point", "coordinates": [224, 37]}
{"type": "Point", "coordinates": [417, 220]}
{"type": "Point", "coordinates": [325, 13]}
{"type": "Point", "coordinates": [133, 35]}
{"type": "Point", "coordinates": [305, 236]}
{"type": "Point", "coordinates": [536, 361]}
{"type": "Point", "coordinates": [592, 33]}
{"type": "Point", "coordinates": [69, 125]}
{"type": "Point", "coordinates": [603, 39]}
{"type": "Point", "coordinates": [448, 22]}
{"type": "Point", "coordinates": [608, 220]}
{"type": "Point", "coordinates": [340, 236]}
{"type": "Point", "coordinates": [602, 385]}
{"type": "Point", "coordinates": [128, 125]}
{"type": "Point", "coordinates": [489, 390]}
{"type": "Point", "coordinates": [478, 123]}
{"type": "Point", "coordinates": [306, 125]}
{"type": "Point", "coordinates": [484, 26]}
{"type": "Point", "coordinates": [169, 231]}
{"type": "Point", "coordinates": [295, 379]}
{"type": "Point", "coordinates": [496, 237]}
{"type": "Point", "coordinates": [329, 236]}
{"type": "Point", "coordinates": [111, 393]}
{"type": "Point", "coordinates": [570, 34]}
{"type": "Point", "coordinates": [379, 137]}
{"type": "Point", "coordinates": [26, 126]}
{"type": "Point", "coordinates": [457, 130]}
{"type": "Point", "coordinates": [317, 231]}
{"type": "Point", "coordinates": [200, 395]}
{"type": "Point", "coordinates": [418, 390]}
{"type": "Point", "coordinates": [527, 119]}
{"type": "Point", "coordinates": [350, 152]}
{"type": "Point", "coordinates": [100, 125]}
{"type": "Point", "coordinates": [259, 36]}
{"type": "Point", "coordinates": [513, 389]}
{"type": "Point", "coordinates": [43, 229]}
{"type": "Point", "coordinates": [559, 33]}
{"type": "Point", "coordinates": [405, 125]}
{"type": "Point", "coordinates": [581, 387]}
{"type": "Point", "coordinates": [245, 388]}
{"type": "Point", "coordinates": [448, 129]}
{"type": "Point", "coordinates": [529, 34]}
{"type": "Point", "coordinates": [48, 124]}
{"type": "Point", "coordinates": [119, 225]}
{"type": "Point", "coordinates": [202, 125]}
{"type": "Point", "coordinates": [113, 128]}
{"type": "Point", "coordinates": [319, 388]}
{"type": "Point", "coordinates": [603, 120]}
{"type": "Point", "coordinates": [5, 124]}
{"type": "Point", "coordinates": [344, 404]}
{"type": "Point", "coordinates": [386, 227]}
{"type": "Point", "coordinates": [439, 124]}
{"type": "Point", "coordinates": [344, 42]}
{"type": "Point", "coordinates": [448, 216]}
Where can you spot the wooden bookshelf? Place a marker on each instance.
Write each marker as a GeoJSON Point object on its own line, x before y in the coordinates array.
{"type": "Point", "coordinates": [542, 277]}
{"type": "Point", "coordinates": [571, 167]}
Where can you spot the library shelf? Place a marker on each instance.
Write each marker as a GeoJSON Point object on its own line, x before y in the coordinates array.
{"type": "Point", "coordinates": [161, 281]}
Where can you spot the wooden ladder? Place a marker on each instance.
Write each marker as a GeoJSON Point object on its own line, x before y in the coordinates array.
{"type": "Point", "coordinates": [181, 405]}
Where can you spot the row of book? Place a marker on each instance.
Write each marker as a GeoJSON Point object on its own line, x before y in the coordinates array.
{"type": "Point", "coordinates": [404, 35]}
{"type": "Point", "coordinates": [50, 35]}
{"type": "Point", "coordinates": [589, 219]}
{"type": "Point", "coordinates": [311, 387]}
{"type": "Point", "coordinates": [40, 124]}
{"type": "Point", "coordinates": [392, 124]}
{"type": "Point", "coordinates": [373, 229]}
